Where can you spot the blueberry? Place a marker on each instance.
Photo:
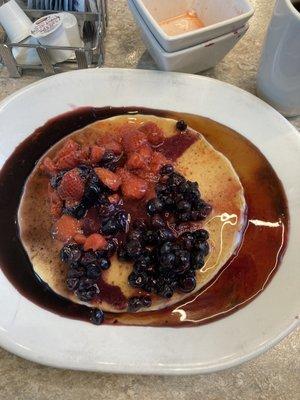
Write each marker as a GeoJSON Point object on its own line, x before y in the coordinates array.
{"type": "Point", "coordinates": [134, 304]}
{"type": "Point", "coordinates": [150, 237]}
{"type": "Point", "coordinates": [165, 235]}
{"type": "Point", "coordinates": [196, 216]}
{"type": "Point", "coordinates": [183, 187]}
{"type": "Point", "coordinates": [122, 220]}
{"type": "Point", "coordinates": [166, 169]}
{"type": "Point", "coordinates": [167, 260]}
{"type": "Point", "coordinates": [56, 179]}
{"type": "Point", "coordinates": [182, 260]}
{"type": "Point", "coordinates": [136, 235]}
{"type": "Point", "coordinates": [184, 217]}
{"type": "Point", "coordinates": [105, 210]}
{"type": "Point", "coordinates": [187, 284]}
{"type": "Point", "coordinates": [154, 206]}
{"type": "Point", "coordinates": [78, 211]}
{"type": "Point", "coordinates": [146, 301]}
{"type": "Point", "coordinates": [89, 257]}
{"type": "Point", "coordinates": [133, 248]}
{"type": "Point", "coordinates": [93, 271]}
{"type": "Point", "coordinates": [137, 280]}
{"type": "Point", "coordinates": [104, 263]}
{"type": "Point", "coordinates": [87, 289]}
{"type": "Point", "coordinates": [181, 125]}
{"type": "Point", "coordinates": [175, 179]}
{"type": "Point", "coordinates": [108, 157]}
{"type": "Point", "coordinates": [187, 240]}
{"type": "Point", "coordinates": [76, 272]}
{"type": "Point", "coordinates": [167, 201]}
{"type": "Point", "coordinates": [72, 283]}
{"type": "Point", "coordinates": [202, 247]}
{"type": "Point", "coordinates": [70, 253]}
{"type": "Point", "coordinates": [166, 248]}
{"type": "Point", "coordinates": [97, 316]}
{"type": "Point", "coordinates": [84, 171]}
{"type": "Point", "coordinates": [183, 206]}
{"type": "Point", "coordinates": [110, 227]}
{"type": "Point", "coordinates": [111, 247]}
{"type": "Point", "coordinates": [92, 192]}
{"type": "Point", "coordinates": [157, 221]}
{"type": "Point", "coordinates": [201, 235]}
{"type": "Point", "coordinates": [139, 224]}
{"type": "Point", "coordinates": [197, 260]}
{"type": "Point", "coordinates": [167, 292]}
{"type": "Point", "coordinates": [122, 254]}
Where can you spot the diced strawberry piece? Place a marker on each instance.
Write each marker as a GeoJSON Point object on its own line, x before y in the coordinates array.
{"type": "Point", "coordinates": [95, 242]}
{"type": "Point", "coordinates": [132, 138]}
{"type": "Point", "coordinates": [69, 147]}
{"type": "Point", "coordinates": [154, 134]}
{"type": "Point", "coordinates": [68, 161]}
{"type": "Point", "coordinates": [132, 186]}
{"type": "Point", "coordinates": [157, 161]}
{"type": "Point", "coordinates": [80, 238]}
{"type": "Point", "coordinates": [114, 146]}
{"type": "Point", "coordinates": [96, 154]}
{"type": "Point", "coordinates": [55, 204]}
{"type": "Point", "coordinates": [146, 152]}
{"type": "Point", "coordinates": [136, 161]}
{"type": "Point", "coordinates": [111, 143]}
{"type": "Point", "coordinates": [48, 166]}
{"type": "Point", "coordinates": [110, 179]}
{"type": "Point", "coordinates": [71, 186]}
{"type": "Point", "coordinates": [65, 228]}
{"type": "Point", "coordinates": [114, 198]}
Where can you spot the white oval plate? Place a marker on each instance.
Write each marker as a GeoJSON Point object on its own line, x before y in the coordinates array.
{"type": "Point", "coordinates": [44, 337]}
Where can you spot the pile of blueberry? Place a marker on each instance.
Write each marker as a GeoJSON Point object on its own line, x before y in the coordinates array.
{"type": "Point", "coordinates": [164, 262]}
{"type": "Point", "coordinates": [179, 197]}
{"type": "Point", "coordinates": [85, 269]}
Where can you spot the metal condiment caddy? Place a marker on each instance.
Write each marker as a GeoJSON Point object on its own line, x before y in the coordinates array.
{"type": "Point", "coordinates": [92, 27]}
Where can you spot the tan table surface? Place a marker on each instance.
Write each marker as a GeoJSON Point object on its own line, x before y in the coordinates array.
{"type": "Point", "coordinates": [273, 375]}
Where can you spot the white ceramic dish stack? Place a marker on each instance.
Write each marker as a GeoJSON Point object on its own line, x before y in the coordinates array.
{"type": "Point", "coordinates": [225, 22]}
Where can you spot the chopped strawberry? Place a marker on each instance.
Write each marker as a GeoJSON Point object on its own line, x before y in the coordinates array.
{"type": "Point", "coordinates": [69, 147]}
{"type": "Point", "coordinates": [114, 198]}
{"type": "Point", "coordinates": [132, 138]}
{"type": "Point", "coordinates": [95, 242]}
{"type": "Point", "coordinates": [71, 186]}
{"type": "Point", "coordinates": [67, 161]}
{"type": "Point", "coordinates": [146, 152]}
{"type": "Point", "coordinates": [80, 238]}
{"type": "Point", "coordinates": [83, 155]}
{"type": "Point", "coordinates": [157, 161]}
{"type": "Point", "coordinates": [110, 179]}
{"type": "Point", "coordinates": [132, 186]}
{"type": "Point", "coordinates": [111, 143]}
{"type": "Point", "coordinates": [55, 204]}
{"type": "Point", "coordinates": [65, 228]}
{"type": "Point", "coordinates": [154, 134]}
{"type": "Point", "coordinates": [136, 161]}
{"type": "Point", "coordinates": [48, 166]}
{"type": "Point", "coordinates": [96, 154]}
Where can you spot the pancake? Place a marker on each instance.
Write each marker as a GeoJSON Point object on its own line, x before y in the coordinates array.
{"type": "Point", "coordinates": [219, 186]}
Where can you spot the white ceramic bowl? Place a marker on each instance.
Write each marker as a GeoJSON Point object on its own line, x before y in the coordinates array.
{"type": "Point", "coordinates": [193, 59]}
{"type": "Point", "coordinates": [219, 16]}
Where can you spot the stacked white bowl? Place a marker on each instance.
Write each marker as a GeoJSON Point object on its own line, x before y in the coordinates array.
{"type": "Point", "coordinates": [225, 22]}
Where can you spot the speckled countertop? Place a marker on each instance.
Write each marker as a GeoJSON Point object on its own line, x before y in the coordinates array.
{"type": "Point", "coordinates": [274, 375]}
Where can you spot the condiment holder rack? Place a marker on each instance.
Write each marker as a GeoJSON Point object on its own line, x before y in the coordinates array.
{"type": "Point", "coordinates": [92, 26]}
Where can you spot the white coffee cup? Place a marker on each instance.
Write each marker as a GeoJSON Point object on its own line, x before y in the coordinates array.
{"type": "Point", "coordinates": [278, 79]}
{"type": "Point", "coordinates": [49, 30]}
{"type": "Point", "coordinates": [14, 21]}
{"type": "Point", "coordinates": [72, 29]}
